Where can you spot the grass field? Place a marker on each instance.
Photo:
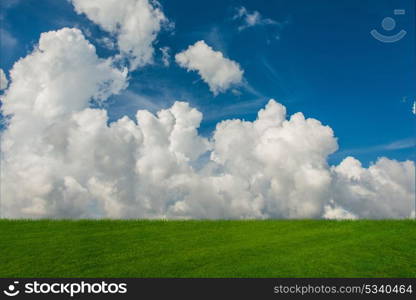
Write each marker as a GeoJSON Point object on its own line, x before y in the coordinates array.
{"type": "Point", "coordinates": [208, 248]}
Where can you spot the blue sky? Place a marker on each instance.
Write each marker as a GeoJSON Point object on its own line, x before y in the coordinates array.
{"type": "Point", "coordinates": [320, 59]}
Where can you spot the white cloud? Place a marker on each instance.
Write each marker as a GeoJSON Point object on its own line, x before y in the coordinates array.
{"type": "Point", "coordinates": [3, 80]}
{"type": "Point", "coordinates": [334, 212]}
{"type": "Point", "coordinates": [47, 88]}
{"type": "Point", "coordinates": [219, 72]}
{"type": "Point", "coordinates": [134, 23]}
{"type": "Point", "coordinates": [250, 19]}
{"type": "Point", "coordinates": [165, 56]}
{"type": "Point", "coordinates": [61, 159]}
{"type": "Point", "coordinates": [107, 43]}
{"type": "Point", "coordinates": [62, 74]}
{"type": "Point", "coordinates": [384, 190]}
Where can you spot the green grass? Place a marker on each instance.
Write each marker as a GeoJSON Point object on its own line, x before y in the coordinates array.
{"type": "Point", "coordinates": [304, 248]}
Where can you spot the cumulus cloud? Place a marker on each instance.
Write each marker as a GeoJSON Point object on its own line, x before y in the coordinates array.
{"type": "Point", "coordinates": [134, 23]}
{"type": "Point", "coordinates": [384, 190]}
{"type": "Point", "coordinates": [62, 74]}
{"type": "Point", "coordinates": [61, 158]}
{"type": "Point", "coordinates": [219, 72]}
{"type": "Point", "coordinates": [3, 80]}
{"type": "Point", "coordinates": [47, 88]}
{"type": "Point", "coordinates": [251, 19]}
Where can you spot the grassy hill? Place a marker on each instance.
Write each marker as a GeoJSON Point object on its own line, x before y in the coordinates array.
{"type": "Point", "coordinates": [303, 248]}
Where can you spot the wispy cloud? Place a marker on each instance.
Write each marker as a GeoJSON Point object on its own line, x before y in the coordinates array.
{"type": "Point", "coordinates": [165, 56]}
{"type": "Point", "coordinates": [235, 109]}
{"type": "Point", "coordinates": [395, 145]}
{"type": "Point", "coordinates": [7, 40]}
{"type": "Point", "coordinates": [401, 144]}
{"type": "Point", "coordinates": [251, 19]}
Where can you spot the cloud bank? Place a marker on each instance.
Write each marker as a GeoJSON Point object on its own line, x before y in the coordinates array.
{"type": "Point", "coordinates": [134, 23]}
{"type": "Point", "coordinates": [61, 158]}
{"type": "Point", "coordinates": [219, 72]}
